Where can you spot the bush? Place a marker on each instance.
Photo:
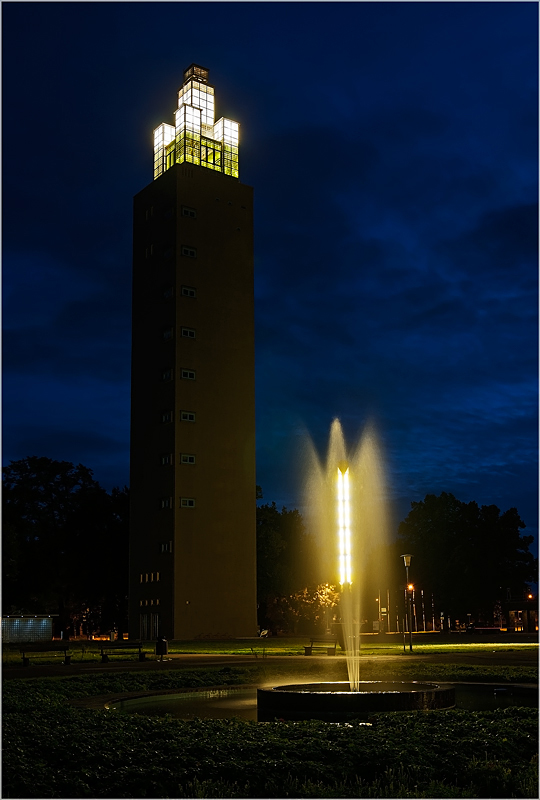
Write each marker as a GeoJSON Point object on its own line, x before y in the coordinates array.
{"type": "Point", "coordinates": [52, 749]}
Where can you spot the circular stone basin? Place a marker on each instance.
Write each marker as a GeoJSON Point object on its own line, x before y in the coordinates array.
{"type": "Point", "coordinates": [335, 702]}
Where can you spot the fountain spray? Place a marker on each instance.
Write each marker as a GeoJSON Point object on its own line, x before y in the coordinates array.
{"type": "Point", "coordinates": [347, 510]}
{"type": "Point", "coordinates": [350, 601]}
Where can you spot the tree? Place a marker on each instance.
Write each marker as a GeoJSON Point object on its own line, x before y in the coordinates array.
{"type": "Point", "coordinates": [466, 555]}
{"type": "Point", "coordinates": [66, 546]}
{"type": "Point", "coordinates": [307, 611]}
{"type": "Point", "coordinates": [284, 558]}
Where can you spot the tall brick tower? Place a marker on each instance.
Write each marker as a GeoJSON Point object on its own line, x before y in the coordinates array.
{"type": "Point", "coordinates": [192, 540]}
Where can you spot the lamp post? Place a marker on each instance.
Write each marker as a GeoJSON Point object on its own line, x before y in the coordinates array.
{"type": "Point", "coordinates": [407, 561]}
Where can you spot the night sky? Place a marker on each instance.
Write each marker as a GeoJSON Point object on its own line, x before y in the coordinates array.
{"type": "Point", "coordinates": [393, 148]}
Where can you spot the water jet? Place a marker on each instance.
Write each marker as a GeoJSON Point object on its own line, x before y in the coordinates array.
{"type": "Point", "coordinates": [348, 510]}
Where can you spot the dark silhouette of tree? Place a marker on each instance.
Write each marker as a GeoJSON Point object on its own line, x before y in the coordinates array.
{"type": "Point", "coordinates": [285, 568]}
{"type": "Point", "coordinates": [467, 555]}
{"type": "Point", "coordinates": [65, 545]}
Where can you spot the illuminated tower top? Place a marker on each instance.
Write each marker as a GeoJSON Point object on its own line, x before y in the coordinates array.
{"type": "Point", "coordinates": [195, 137]}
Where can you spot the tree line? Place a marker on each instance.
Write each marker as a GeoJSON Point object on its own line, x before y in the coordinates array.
{"type": "Point", "coordinates": [66, 544]}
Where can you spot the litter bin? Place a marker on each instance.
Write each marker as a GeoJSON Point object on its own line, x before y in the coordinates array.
{"type": "Point", "coordinates": [162, 647]}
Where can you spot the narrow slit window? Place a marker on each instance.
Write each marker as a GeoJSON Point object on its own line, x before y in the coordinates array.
{"type": "Point", "coordinates": [166, 416]}
{"type": "Point", "coordinates": [166, 502]}
{"type": "Point", "coordinates": [166, 459]}
{"type": "Point", "coordinates": [167, 375]}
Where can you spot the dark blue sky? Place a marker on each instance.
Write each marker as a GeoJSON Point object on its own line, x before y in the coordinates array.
{"type": "Point", "coordinates": [393, 148]}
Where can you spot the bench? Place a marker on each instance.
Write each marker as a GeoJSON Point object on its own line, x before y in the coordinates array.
{"type": "Point", "coordinates": [119, 648]}
{"type": "Point", "coordinates": [40, 649]}
{"type": "Point", "coordinates": [327, 642]}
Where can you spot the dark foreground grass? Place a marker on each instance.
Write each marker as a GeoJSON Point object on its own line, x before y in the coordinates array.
{"type": "Point", "coordinates": [52, 749]}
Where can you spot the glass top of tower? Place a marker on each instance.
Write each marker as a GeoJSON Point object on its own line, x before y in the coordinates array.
{"type": "Point", "coordinates": [195, 137]}
{"type": "Point", "coordinates": [197, 72]}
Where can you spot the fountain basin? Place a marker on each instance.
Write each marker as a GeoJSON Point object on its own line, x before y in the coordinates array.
{"type": "Point", "coordinates": [335, 702]}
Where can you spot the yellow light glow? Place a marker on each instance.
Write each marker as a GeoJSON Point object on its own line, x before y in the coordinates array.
{"type": "Point", "coordinates": [194, 119]}
{"type": "Point", "coordinates": [344, 526]}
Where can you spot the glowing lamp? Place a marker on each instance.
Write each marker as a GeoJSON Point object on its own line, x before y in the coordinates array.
{"type": "Point", "coordinates": [344, 525]}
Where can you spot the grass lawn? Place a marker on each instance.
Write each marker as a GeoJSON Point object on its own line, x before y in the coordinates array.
{"type": "Point", "coordinates": [87, 651]}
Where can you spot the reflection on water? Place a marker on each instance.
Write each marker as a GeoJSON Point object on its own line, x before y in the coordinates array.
{"type": "Point", "coordinates": [488, 698]}
{"type": "Point", "coordinates": [214, 704]}
{"type": "Point", "coordinates": [242, 703]}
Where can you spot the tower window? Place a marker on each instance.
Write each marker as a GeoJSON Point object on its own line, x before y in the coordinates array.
{"type": "Point", "coordinates": [166, 459]}
{"type": "Point", "coordinates": [189, 333]}
{"type": "Point", "coordinates": [189, 291]}
{"type": "Point", "coordinates": [166, 416]}
{"type": "Point", "coordinates": [149, 212]}
{"type": "Point", "coordinates": [167, 375]}
{"type": "Point", "coordinates": [187, 416]}
{"type": "Point", "coordinates": [149, 252]}
{"type": "Point", "coordinates": [168, 292]}
{"type": "Point", "coordinates": [187, 502]}
{"type": "Point", "coordinates": [188, 374]}
{"type": "Point", "coordinates": [188, 212]}
{"type": "Point", "coordinates": [167, 333]}
{"type": "Point", "coordinates": [166, 502]}
{"type": "Point", "coordinates": [168, 252]}
{"type": "Point", "coordinates": [166, 547]}
{"type": "Point", "coordinates": [190, 252]}
{"type": "Point", "coordinates": [187, 458]}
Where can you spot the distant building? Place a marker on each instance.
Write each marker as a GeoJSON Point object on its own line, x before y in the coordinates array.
{"type": "Point", "coordinates": [192, 540]}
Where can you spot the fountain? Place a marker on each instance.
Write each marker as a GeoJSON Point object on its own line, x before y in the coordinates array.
{"type": "Point", "coordinates": [347, 507]}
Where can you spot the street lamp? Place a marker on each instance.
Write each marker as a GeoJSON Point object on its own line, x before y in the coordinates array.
{"type": "Point", "coordinates": [407, 561]}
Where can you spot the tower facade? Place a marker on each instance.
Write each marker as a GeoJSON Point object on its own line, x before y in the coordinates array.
{"type": "Point", "coordinates": [192, 539]}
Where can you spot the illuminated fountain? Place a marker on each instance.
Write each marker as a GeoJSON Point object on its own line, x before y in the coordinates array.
{"type": "Point", "coordinates": [347, 511]}
{"type": "Point", "coordinates": [346, 497]}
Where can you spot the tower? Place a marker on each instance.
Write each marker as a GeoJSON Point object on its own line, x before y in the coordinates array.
{"type": "Point", "coordinates": [192, 537]}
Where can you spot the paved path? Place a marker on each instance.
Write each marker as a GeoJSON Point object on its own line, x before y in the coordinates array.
{"type": "Point", "coordinates": [518, 657]}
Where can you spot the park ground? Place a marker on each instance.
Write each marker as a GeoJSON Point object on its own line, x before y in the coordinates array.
{"type": "Point", "coordinates": [60, 742]}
